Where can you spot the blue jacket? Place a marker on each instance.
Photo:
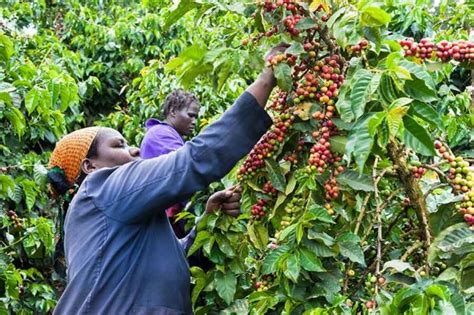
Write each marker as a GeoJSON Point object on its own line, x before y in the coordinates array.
{"type": "Point", "coordinates": [121, 253]}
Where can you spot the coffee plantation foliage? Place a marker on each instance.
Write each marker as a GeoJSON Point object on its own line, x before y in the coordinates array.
{"type": "Point", "coordinates": [358, 199]}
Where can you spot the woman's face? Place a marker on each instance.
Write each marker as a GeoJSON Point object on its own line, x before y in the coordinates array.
{"type": "Point", "coordinates": [184, 120]}
{"type": "Point", "coordinates": [112, 150]}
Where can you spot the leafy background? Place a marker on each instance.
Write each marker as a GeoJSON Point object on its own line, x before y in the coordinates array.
{"type": "Point", "coordinates": [67, 64]}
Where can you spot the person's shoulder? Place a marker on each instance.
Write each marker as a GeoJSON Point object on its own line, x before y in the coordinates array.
{"type": "Point", "coordinates": [163, 131]}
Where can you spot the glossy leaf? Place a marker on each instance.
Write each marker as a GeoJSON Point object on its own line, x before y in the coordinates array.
{"type": "Point", "coordinates": [416, 137]}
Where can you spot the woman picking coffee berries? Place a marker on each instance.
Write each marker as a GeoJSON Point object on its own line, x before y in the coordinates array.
{"type": "Point", "coordinates": [122, 255]}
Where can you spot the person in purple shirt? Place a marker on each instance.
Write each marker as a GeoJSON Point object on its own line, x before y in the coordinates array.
{"type": "Point", "coordinates": [180, 111]}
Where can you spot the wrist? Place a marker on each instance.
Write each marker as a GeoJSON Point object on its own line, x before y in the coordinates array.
{"type": "Point", "coordinates": [267, 77]}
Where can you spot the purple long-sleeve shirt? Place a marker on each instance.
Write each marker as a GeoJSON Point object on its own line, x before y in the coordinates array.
{"type": "Point", "coordinates": [159, 139]}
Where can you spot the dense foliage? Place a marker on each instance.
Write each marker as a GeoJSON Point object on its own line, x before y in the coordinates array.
{"type": "Point", "coordinates": [359, 198]}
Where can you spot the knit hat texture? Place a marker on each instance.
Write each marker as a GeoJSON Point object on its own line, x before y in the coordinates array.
{"type": "Point", "coordinates": [71, 150]}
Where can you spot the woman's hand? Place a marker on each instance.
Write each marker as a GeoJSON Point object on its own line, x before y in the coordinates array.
{"type": "Point", "coordinates": [227, 201]}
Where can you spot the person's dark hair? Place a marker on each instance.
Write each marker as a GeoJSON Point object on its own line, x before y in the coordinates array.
{"type": "Point", "coordinates": [177, 100]}
{"type": "Point", "coordinates": [57, 178]}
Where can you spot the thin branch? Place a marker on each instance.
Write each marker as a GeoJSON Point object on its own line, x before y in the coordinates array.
{"type": "Point", "coordinates": [437, 171]}
{"type": "Point", "coordinates": [379, 222]}
{"type": "Point", "coordinates": [411, 250]}
{"type": "Point", "coordinates": [361, 214]}
{"type": "Point", "coordinates": [433, 189]}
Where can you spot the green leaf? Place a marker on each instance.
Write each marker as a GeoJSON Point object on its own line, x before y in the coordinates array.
{"type": "Point", "coordinates": [420, 73]}
{"type": "Point", "coordinates": [356, 181]}
{"type": "Point", "coordinates": [282, 73]}
{"type": "Point", "coordinates": [30, 193]}
{"type": "Point", "coordinates": [392, 60]}
{"type": "Point", "coordinates": [276, 177]}
{"type": "Point", "coordinates": [338, 144]}
{"type": "Point", "coordinates": [398, 265]}
{"type": "Point", "coordinates": [225, 284]}
{"type": "Point", "coordinates": [293, 268]}
{"type": "Point", "coordinates": [419, 305]}
{"type": "Point", "coordinates": [305, 24]}
{"type": "Point", "coordinates": [343, 104]}
{"type": "Point", "coordinates": [360, 142]}
{"type": "Point", "coordinates": [375, 122]}
{"type": "Point", "coordinates": [295, 49]}
{"type": "Point", "coordinates": [31, 100]}
{"type": "Point", "coordinates": [183, 7]}
{"type": "Point", "coordinates": [418, 90]}
{"type": "Point", "coordinates": [394, 119]}
{"type": "Point", "coordinates": [6, 48]}
{"type": "Point", "coordinates": [271, 261]}
{"type": "Point", "coordinates": [320, 213]}
{"type": "Point", "coordinates": [200, 282]}
{"type": "Point", "coordinates": [225, 245]}
{"type": "Point", "coordinates": [6, 184]}
{"type": "Point", "coordinates": [258, 235]}
{"type": "Point", "coordinates": [449, 240]}
{"type": "Point", "coordinates": [309, 260]}
{"type": "Point", "coordinates": [200, 240]}
{"type": "Point", "coordinates": [374, 17]}
{"type": "Point", "coordinates": [291, 184]}
{"type": "Point", "coordinates": [467, 273]}
{"type": "Point", "coordinates": [360, 92]}
{"type": "Point", "coordinates": [353, 251]}
{"type": "Point", "coordinates": [439, 291]}
{"type": "Point", "coordinates": [17, 119]}
{"type": "Point", "coordinates": [417, 138]}
{"type": "Point", "coordinates": [427, 113]}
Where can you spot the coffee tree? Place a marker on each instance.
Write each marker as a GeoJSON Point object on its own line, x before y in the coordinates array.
{"type": "Point", "coordinates": [360, 195]}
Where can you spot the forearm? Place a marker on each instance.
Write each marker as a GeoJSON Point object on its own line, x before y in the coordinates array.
{"type": "Point", "coordinates": [263, 86]}
{"type": "Point", "coordinates": [136, 190]}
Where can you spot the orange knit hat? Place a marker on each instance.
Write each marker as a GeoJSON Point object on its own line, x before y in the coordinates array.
{"type": "Point", "coordinates": [71, 150]}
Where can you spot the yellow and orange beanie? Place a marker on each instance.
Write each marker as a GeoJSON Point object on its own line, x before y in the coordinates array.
{"type": "Point", "coordinates": [70, 151]}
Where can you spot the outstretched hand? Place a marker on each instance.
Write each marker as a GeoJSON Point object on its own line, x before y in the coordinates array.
{"type": "Point", "coordinates": [278, 49]}
{"type": "Point", "coordinates": [227, 201]}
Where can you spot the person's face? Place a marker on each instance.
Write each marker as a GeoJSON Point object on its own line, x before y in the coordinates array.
{"type": "Point", "coordinates": [112, 150]}
{"type": "Point", "coordinates": [184, 120]}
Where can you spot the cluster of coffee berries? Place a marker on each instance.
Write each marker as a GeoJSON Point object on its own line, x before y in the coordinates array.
{"type": "Point", "coordinates": [264, 283]}
{"type": "Point", "coordinates": [462, 51]}
{"type": "Point", "coordinates": [279, 58]}
{"type": "Point", "coordinates": [267, 145]}
{"type": "Point", "coordinates": [331, 188]}
{"type": "Point", "coordinates": [269, 189]}
{"type": "Point", "coordinates": [293, 156]}
{"type": "Point", "coordinates": [372, 280]}
{"type": "Point", "coordinates": [260, 209]}
{"type": "Point", "coordinates": [307, 89]}
{"type": "Point", "coordinates": [279, 101]}
{"type": "Point", "coordinates": [294, 206]}
{"type": "Point", "coordinates": [416, 169]}
{"type": "Point", "coordinates": [289, 5]}
{"type": "Point", "coordinates": [290, 24]}
{"type": "Point", "coordinates": [357, 48]}
{"type": "Point", "coordinates": [320, 154]}
{"type": "Point", "coordinates": [423, 50]}
{"type": "Point", "coordinates": [320, 83]}
{"type": "Point", "coordinates": [461, 175]}
{"type": "Point", "coordinates": [311, 47]}
{"type": "Point", "coordinates": [329, 208]}
{"type": "Point", "coordinates": [15, 219]}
